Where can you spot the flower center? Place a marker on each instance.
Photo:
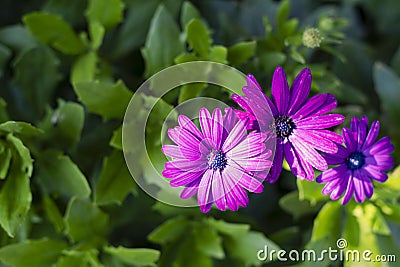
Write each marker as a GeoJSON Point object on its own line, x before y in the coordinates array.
{"type": "Point", "coordinates": [216, 160]}
{"type": "Point", "coordinates": [355, 161]}
{"type": "Point", "coordinates": [284, 126]}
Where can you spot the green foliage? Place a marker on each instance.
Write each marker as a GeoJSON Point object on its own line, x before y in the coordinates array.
{"type": "Point", "coordinates": [108, 13]}
{"type": "Point", "coordinates": [54, 31]}
{"type": "Point", "coordinates": [85, 222]}
{"type": "Point", "coordinates": [100, 98]}
{"type": "Point", "coordinates": [59, 175]}
{"type": "Point", "coordinates": [115, 181]}
{"type": "Point", "coordinates": [162, 42]}
{"type": "Point", "coordinates": [135, 257]}
{"type": "Point", "coordinates": [16, 169]}
{"type": "Point", "coordinates": [30, 253]}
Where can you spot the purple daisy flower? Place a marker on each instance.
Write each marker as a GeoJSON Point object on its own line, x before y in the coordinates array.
{"type": "Point", "coordinates": [360, 161]}
{"type": "Point", "coordinates": [299, 123]}
{"type": "Point", "coordinates": [218, 162]}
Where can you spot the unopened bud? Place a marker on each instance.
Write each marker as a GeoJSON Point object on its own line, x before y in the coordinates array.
{"type": "Point", "coordinates": [312, 38]}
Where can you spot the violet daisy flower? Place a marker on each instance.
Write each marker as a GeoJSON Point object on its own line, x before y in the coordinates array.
{"type": "Point", "coordinates": [299, 123]}
{"type": "Point", "coordinates": [218, 162]}
{"type": "Point", "coordinates": [360, 161]}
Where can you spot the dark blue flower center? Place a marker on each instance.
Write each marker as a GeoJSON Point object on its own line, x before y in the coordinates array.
{"type": "Point", "coordinates": [355, 161]}
{"type": "Point", "coordinates": [216, 160]}
{"type": "Point", "coordinates": [284, 126]}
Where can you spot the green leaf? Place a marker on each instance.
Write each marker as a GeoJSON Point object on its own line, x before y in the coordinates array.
{"type": "Point", "coordinates": [71, 11]}
{"type": "Point", "coordinates": [38, 89]}
{"type": "Point", "coordinates": [85, 221]}
{"type": "Point", "coordinates": [282, 15]}
{"type": "Point", "coordinates": [208, 241]}
{"type": "Point", "coordinates": [189, 91]}
{"type": "Point", "coordinates": [296, 56]}
{"type": "Point", "coordinates": [245, 247]}
{"type": "Point", "coordinates": [108, 12]}
{"type": "Point", "coordinates": [162, 42]}
{"type": "Point", "coordinates": [310, 191]}
{"type": "Point", "coordinates": [326, 223]}
{"type": "Point", "coordinates": [5, 161]}
{"type": "Point", "coordinates": [84, 69]}
{"type": "Point", "coordinates": [189, 12]}
{"type": "Point", "coordinates": [53, 30]}
{"type": "Point", "coordinates": [32, 253]}
{"type": "Point", "coordinates": [57, 174]}
{"type": "Point", "coordinates": [5, 55]}
{"type": "Point", "coordinates": [17, 37]}
{"type": "Point", "coordinates": [292, 204]}
{"type": "Point", "coordinates": [101, 98]}
{"type": "Point", "coordinates": [116, 139]}
{"type": "Point", "coordinates": [63, 126]}
{"type": "Point", "coordinates": [77, 258]}
{"type": "Point", "coordinates": [234, 229]}
{"type": "Point", "coordinates": [387, 85]}
{"type": "Point", "coordinates": [218, 53]}
{"type": "Point", "coordinates": [189, 258]}
{"type": "Point", "coordinates": [268, 61]}
{"type": "Point", "coordinates": [169, 231]}
{"type": "Point", "coordinates": [96, 31]}
{"type": "Point", "coordinates": [198, 37]}
{"type": "Point", "coordinates": [3, 111]}
{"type": "Point", "coordinates": [132, 32]}
{"type": "Point", "coordinates": [239, 53]}
{"type": "Point", "coordinates": [134, 256]}
{"type": "Point", "coordinates": [186, 57]}
{"type": "Point", "coordinates": [15, 194]}
{"type": "Point", "coordinates": [18, 127]}
{"type": "Point", "coordinates": [53, 213]}
{"type": "Point", "coordinates": [115, 181]}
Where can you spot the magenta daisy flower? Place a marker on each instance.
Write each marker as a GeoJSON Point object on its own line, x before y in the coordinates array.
{"type": "Point", "coordinates": [360, 161]}
{"type": "Point", "coordinates": [218, 162]}
{"type": "Point", "coordinates": [300, 124]}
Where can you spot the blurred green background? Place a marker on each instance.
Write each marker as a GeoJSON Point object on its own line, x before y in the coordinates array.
{"type": "Point", "coordinates": [67, 71]}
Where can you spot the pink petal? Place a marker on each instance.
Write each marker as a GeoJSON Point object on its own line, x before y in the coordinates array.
{"type": "Point", "coordinates": [299, 90]}
{"type": "Point", "coordinates": [205, 123]}
{"type": "Point", "coordinates": [375, 173]}
{"type": "Point", "coordinates": [218, 191]}
{"type": "Point", "coordinates": [276, 168]}
{"type": "Point", "coordinates": [320, 122]}
{"type": "Point", "coordinates": [280, 90]}
{"type": "Point", "coordinates": [185, 178]}
{"type": "Point", "coordinates": [308, 154]}
{"type": "Point", "coordinates": [316, 141]}
{"type": "Point", "coordinates": [237, 134]}
{"type": "Point", "coordinates": [186, 123]}
{"type": "Point", "coordinates": [204, 195]}
{"type": "Point", "coordinates": [372, 134]}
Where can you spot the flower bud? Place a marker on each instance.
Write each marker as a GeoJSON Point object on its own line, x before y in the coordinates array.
{"type": "Point", "coordinates": [312, 38]}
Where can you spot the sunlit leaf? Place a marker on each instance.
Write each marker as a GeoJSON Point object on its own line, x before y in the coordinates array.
{"type": "Point", "coordinates": [107, 12]}
{"type": "Point", "coordinates": [134, 256]}
{"type": "Point", "coordinates": [31, 253]}
{"type": "Point", "coordinates": [58, 174]}
{"type": "Point", "coordinates": [85, 222]}
{"type": "Point", "coordinates": [115, 181]}
{"type": "Point", "coordinates": [105, 99]}
{"type": "Point", "coordinates": [53, 30]}
{"type": "Point", "coordinates": [162, 42]}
